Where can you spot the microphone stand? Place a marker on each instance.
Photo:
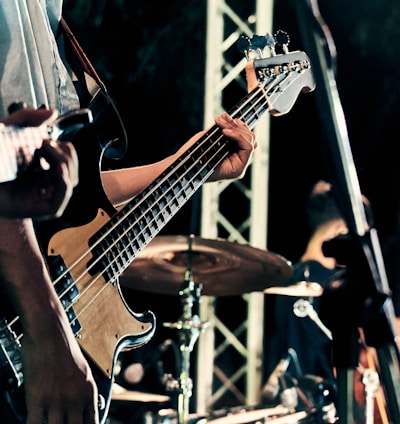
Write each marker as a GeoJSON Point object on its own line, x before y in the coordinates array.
{"type": "Point", "coordinates": [320, 47]}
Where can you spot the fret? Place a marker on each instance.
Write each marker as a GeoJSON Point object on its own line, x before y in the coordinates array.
{"type": "Point", "coordinates": [253, 111]}
{"type": "Point", "coordinates": [67, 291]}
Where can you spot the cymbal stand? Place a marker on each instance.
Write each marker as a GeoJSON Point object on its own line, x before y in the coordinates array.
{"type": "Point", "coordinates": [303, 308]}
{"type": "Point", "coordinates": [189, 328]}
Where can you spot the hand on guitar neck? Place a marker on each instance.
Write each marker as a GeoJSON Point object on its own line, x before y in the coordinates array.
{"type": "Point", "coordinates": [45, 186]}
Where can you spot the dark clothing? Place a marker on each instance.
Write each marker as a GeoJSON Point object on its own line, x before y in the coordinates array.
{"type": "Point", "coordinates": [285, 330]}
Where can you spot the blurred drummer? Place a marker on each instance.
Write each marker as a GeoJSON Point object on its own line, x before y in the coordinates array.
{"type": "Point", "coordinates": [306, 335]}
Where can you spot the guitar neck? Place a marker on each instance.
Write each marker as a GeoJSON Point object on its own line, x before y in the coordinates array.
{"type": "Point", "coordinates": [17, 147]}
{"type": "Point", "coordinates": [143, 218]}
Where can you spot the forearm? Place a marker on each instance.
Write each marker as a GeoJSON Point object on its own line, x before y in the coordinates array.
{"type": "Point", "coordinates": [24, 275]}
{"type": "Point", "coordinates": [123, 184]}
{"type": "Point", "coordinates": [56, 374]}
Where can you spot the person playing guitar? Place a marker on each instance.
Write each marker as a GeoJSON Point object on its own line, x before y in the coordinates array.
{"type": "Point", "coordinates": [59, 385]}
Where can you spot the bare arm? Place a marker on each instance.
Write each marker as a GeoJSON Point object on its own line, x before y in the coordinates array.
{"type": "Point", "coordinates": [123, 184]}
{"type": "Point", "coordinates": [58, 380]}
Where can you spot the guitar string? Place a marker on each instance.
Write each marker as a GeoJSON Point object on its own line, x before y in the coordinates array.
{"type": "Point", "coordinates": [197, 145]}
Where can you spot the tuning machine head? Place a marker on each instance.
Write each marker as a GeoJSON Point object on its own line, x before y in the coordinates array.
{"type": "Point", "coordinates": [282, 39]}
{"type": "Point", "coordinates": [257, 44]}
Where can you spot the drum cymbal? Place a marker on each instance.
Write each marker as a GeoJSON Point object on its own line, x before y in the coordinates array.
{"type": "Point", "coordinates": [223, 268]}
{"type": "Point", "coordinates": [300, 289]}
{"type": "Point", "coordinates": [120, 393]}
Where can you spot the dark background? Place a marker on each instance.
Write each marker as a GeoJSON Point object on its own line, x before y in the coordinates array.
{"type": "Point", "coordinates": [151, 55]}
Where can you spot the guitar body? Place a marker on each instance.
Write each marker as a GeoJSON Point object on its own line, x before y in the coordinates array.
{"type": "Point", "coordinates": [104, 318]}
{"type": "Point", "coordinates": [99, 316]}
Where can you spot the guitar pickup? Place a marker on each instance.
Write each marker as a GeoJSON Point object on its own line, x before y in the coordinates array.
{"type": "Point", "coordinates": [67, 291]}
{"type": "Point", "coordinates": [9, 375]}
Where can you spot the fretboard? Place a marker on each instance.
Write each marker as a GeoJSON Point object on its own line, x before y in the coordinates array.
{"type": "Point", "coordinates": [118, 242]}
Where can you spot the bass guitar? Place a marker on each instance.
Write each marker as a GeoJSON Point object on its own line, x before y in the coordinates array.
{"type": "Point", "coordinates": [89, 247]}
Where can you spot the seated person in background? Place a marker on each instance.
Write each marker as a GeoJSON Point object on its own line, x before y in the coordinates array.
{"type": "Point", "coordinates": [307, 335]}
{"type": "Point", "coordinates": [303, 334]}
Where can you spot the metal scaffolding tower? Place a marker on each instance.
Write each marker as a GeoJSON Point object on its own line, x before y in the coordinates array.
{"type": "Point", "coordinates": [229, 356]}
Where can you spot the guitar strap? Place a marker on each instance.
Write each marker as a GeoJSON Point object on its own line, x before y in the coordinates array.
{"type": "Point", "coordinates": [93, 94]}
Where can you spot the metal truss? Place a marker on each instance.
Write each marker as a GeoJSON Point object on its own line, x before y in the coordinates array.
{"type": "Point", "coordinates": [229, 351]}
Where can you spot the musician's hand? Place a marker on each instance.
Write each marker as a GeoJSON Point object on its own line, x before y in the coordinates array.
{"type": "Point", "coordinates": [41, 193]}
{"type": "Point", "coordinates": [58, 380]}
{"type": "Point", "coordinates": [235, 165]}
{"type": "Point", "coordinates": [30, 117]}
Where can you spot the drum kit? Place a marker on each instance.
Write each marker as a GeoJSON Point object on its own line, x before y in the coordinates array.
{"type": "Point", "coordinates": [225, 268]}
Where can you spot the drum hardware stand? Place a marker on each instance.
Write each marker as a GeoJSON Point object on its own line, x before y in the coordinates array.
{"type": "Point", "coordinates": [303, 308]}
{"type": "Point", "coordinates": [370, 380]}
{"type": "Point", "coordinates": [189, 328]}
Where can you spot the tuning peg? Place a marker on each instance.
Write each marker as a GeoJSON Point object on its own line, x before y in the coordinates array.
{"type": "Point", "coordinates": [244, 46]}
{"type": "Point", "coordinates": [258, 43]}
{"type": "Point", "coordinates": [283, 40]}
{"type": "Point", "coordinates": [270, 40]}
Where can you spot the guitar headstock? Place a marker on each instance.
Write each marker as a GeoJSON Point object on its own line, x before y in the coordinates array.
{"type": "Point", "coordinates": [283, 76]}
